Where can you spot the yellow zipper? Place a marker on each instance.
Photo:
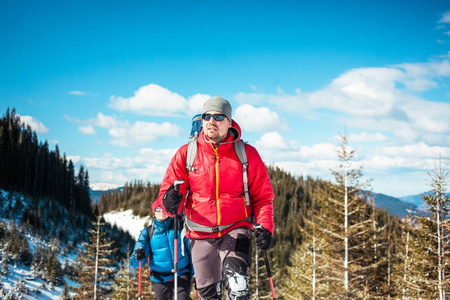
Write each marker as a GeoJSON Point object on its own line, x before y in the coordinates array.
{"type": "Point", "coordinates": [216, 157]}
{"type": "Point", "coordinates": [245, 208]}
{"type": "Point", "coordinates": [192, 208]}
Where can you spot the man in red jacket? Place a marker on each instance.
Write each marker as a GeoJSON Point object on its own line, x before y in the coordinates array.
{"type": "Point", "coordinates": [218, 215]}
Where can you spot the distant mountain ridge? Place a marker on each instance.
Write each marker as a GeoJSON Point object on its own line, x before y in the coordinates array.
{"type": "Point", "coordinates": [396, 206]}
{"type": "Point", "coordinates": [96, 189]}
{"type": "Point", "coordinates": [400, 207]}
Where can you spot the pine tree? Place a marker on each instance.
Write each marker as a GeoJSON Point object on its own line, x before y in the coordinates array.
{"type": "Point", "coordinates": [53, 270]}
{"type": "Point", "coordinates": [65, 295]}
{"type": "Point", "coordinates": [343, 218]}
{"type": "Point", "coordinates": [402, 272]}
{"type": "Point", "coordinates": [430, 248]}
{"type": "Point", "coordinates": [25, 252]}
{"type": "Point", "coordinates": [306, 276]}
{"type": "Point", "coordinates": [95, 268]}
{"type": "Point", "coordinates": [19, 285]}
{"type": "Point", "coordinates": [37, 268]}
{"type": "Point", "coordinates": [5, 265]}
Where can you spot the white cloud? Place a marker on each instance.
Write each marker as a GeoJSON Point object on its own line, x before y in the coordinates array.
{"type": "Point", "coordinates": [415, 151]}
{"type": "Point", "coordinates": [108, 122]}
{"type": "Point", "coordinates": [290, 103]}
{"type": "Point", "coordinates": [279, 90]}
{"type": "Point", "coordinates": [368, 92]}
{"type": "Point", "coordinates": [375, 99]}
{"type": "Point", "coordinates": [273, 140]}
{"type": "Point", "coordinates": [445, 18]}
{"type": "Point", "coordinates": [124, 134]}
{"type": "Point", "coordinates": [108, 162]}
{"type": "Point", "coordinates": [152, 100]}
{"type": "Point", "coordinates": [153, 156]}
{"type": "Point", "coordinates": [35, 125]}
{"type": "Point", "coordinates": [142, 132]}
{"type": "Point", "coordinates": [195, 103]}
{"type": "Point", "coordinates": [149, 165]}
{"type": "Point", "coordinates": [261, 119]}
{"type": "Point", "coordinates": [89, 130]}
{"type": "Point", "coordinates": [274, 148]}
{"type": "Point", "coordinates": [364, 137]}
{"type": "Point", "coordinates": [78, 93]}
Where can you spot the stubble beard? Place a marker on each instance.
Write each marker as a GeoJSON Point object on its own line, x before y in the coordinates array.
{"type": "Point", "coordinates": [214, 135]}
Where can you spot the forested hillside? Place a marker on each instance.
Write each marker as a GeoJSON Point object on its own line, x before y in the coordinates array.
{"type": "Point", "coordinates": [29, 166]}
{"type": "Point", "coordinates": [330, 241]}
{"type": "Point", "coordinates": [293, 207]}
{"type": "Point", "coordinates": [45, 210]}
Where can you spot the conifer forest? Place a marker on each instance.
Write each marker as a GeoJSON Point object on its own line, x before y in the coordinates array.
{"type": "Point", "coordinates": [330, 239]}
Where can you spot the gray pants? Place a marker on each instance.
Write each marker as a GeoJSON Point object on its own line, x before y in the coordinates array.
{"type": "Point", "coordinates": [223, 262]}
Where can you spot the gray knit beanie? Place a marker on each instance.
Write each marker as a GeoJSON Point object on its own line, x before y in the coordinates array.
{"type": "Point", "coordinates": [218, 104]}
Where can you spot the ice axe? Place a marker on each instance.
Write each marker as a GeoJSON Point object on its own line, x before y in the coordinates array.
{"type": "Point", "coordinates": [259, 228]}
{"type": "Point", "coordinates": [176, 187]}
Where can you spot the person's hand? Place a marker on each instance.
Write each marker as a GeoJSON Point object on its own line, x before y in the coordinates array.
{"type": "Point", "coordinates": [263, 239]}
{"type": "Point", "coordinates": [139, 254]}
{"type": "Point", "coordinates": [172, 200]}
{"type": "Point", "coordinates": [194, 281]}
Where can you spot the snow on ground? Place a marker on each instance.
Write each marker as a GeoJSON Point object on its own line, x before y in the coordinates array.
{"type": "Point", "coordinates": [123, 219]}
{"type": "Point", "coordinates": [21, 271]}
{"type": "Point", "coordinates": [128, 222]}
{"type": "Point", "coordinates": [15, 273]}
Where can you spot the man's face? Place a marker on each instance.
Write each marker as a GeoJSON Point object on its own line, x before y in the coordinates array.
{"type": "Point", "coordinates": [216, 131]}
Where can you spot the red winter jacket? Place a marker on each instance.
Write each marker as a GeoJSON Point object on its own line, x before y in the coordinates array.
{"type": "Point", "coordinates": [216, 188]}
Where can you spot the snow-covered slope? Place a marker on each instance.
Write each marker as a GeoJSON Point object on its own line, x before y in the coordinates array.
{"type": "Point", "coordinates": [126, 221]}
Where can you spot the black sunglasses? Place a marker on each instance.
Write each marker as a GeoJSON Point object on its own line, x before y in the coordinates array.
{"type": "Point", "coordinates": [158, 209]}
{"type": "Point", "coordinates": [217, 117]}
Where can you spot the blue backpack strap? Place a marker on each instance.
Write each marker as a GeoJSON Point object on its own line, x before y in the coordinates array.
{"type": "Point", "coordinates": [239, 147]}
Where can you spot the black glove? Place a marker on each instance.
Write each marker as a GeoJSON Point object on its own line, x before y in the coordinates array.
{"type": "Point", "coordinates": [172, 200]}
{"type": "Point", "coordinates": [263, 239]}
{"type": "Point", "coordinates": [139, 254]}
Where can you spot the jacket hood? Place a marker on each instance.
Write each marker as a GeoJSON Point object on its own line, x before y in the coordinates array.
{"type": "Point", "coordinates": [234, 134]}
{"type": "Point", "coordinates": [155, 204]}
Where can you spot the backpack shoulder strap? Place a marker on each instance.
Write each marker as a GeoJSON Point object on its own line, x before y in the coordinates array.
{"type": "Point", "coordinates": [191, 153]}
{"type": "Point", "coordinates": [192, 144]}
{"type": "Point", "coordinates": [239, 147]}
{"type": "Point", "coordinates": [150, 234]}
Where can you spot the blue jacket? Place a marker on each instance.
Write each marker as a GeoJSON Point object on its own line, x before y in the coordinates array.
{"type": "Point", "coordinates": [162, 249]}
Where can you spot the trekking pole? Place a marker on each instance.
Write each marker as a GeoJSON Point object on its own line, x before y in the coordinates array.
{"type": "Point", "coordinates": [139, 285]}
{"type": "Point", "coordinates": [266, 260]}
{"type": "Point", "coordinates": [176, 187]}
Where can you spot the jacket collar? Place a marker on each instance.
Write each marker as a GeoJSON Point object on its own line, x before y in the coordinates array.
{"type": "Point", "coordinates": [234, 135]}
{"type": "Point", "coordinates": [162, 224]}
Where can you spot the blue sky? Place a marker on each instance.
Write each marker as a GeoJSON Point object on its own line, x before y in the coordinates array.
{"type": "Point", "coordinates": [115, 83]}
